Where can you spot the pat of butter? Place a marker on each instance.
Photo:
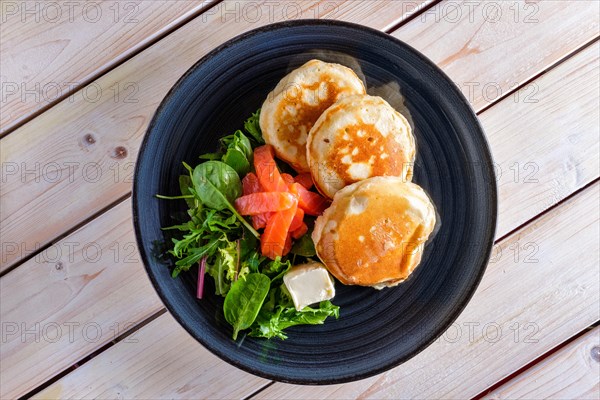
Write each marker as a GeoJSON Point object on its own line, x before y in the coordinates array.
{"type": "Point", "coordinates": [308, 284]}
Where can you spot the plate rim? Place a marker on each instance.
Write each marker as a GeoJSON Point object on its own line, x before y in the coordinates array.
{"type": "Point", "coordinates": [488, 164]}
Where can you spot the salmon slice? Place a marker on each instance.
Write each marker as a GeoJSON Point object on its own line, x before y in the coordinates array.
{"type": "Point", "coordinates": [288, 179]}
{"type": "Point", "coordinates": [298, 219]}
{"type": "Point", "coordinates": [266, 170]}
{"type": "Point", "coordinates": [300, 231]}
{"type": "Point", "coordinates": [288, 244]}
{"type": "Point", "coordinates": [259, 203]}
{"type": "Point", "coordinates": [304, 179]}
{"type": "Point", "coordinates": [312, 203]}
{"type": "Point", "coordinates": [272, 241]}
{"type": "Point", "coordinates": [250, 184]}
{"type": "Point", "coordinates": [260, 221]}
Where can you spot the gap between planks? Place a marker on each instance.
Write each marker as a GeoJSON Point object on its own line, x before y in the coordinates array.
{"type": "Point", "coordinates": [425, 6]}
{"type": "Point", "coordinates": [88, 358]}
{"type": "Point", "coordinates": [354, 10]}
{"type": "Point", "coordinates": [541, 359]}
{"type": "Point", "coordinates": [29, 231]}
{"type": "Point", "coordinates": [109, 66]}
{"type": "Point", "coordinates": [499, 239]}
{"type": "Point", "coordinates": [21, 221]}
{"type": "Point", "coordinates": [570, 216]}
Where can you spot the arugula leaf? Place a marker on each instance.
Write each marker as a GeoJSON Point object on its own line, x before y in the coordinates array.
{"type": "Point", "coordinates": [193, 256]}
{"type": "Point", "coordinates": [244, 300]}
{"type": "Point", "coordinates": [271, 324]}
{"type": "Point", "coordinates": [252, 126]}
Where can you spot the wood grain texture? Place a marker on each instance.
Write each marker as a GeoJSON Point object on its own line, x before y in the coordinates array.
{"type": "Point", "coordinates": [544, 138]}
{"type": "Point", "coordinates": [70, 300]}
{"type": "Point", "coordinates": [573, 372]}
{"type": "Point", "coordinates": [471, 41]}
{"type": "Point", "coordinates": [49, 48]}
{"type": "Point", "coordinates": [162, 361]}
{"type": "Point", "coordinates": [515, 133]}
{"type": "Point", "coordinates": [90, 147]}
{"type": "Point", "coordinates": [522, 308]}
{"type": "Point", "coordinates": [54, 300]}
{"type": "Point", "coordinates": [502, 148]}
{"type": "Point", "coordinates": [461, 363]}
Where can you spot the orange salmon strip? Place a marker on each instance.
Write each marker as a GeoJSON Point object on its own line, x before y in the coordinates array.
{"type": "Point", "coordinates": [258, 203]}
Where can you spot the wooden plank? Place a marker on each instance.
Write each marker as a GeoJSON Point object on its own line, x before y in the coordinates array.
{"type": "Point", "coordinates": [521, 309]}
{"type": "Point", "coordinates": [49, 48]}
{"type": "Point", "coordinates": [471, 41]}
{"type": "Point", "coordinates": [70, 300]}
{"type": "Point", "coordinates": [573, 372]}
{"type": "Point", "coordinates": [544, 109]}
{"type": "Point", "coordinates": [87, 144]}
{"type": "Point", "coordinates": [89, 147]}
{"type": "Point", "coordinates": [27, 363]}
{"type": "Point", "coordinates": [514, 133]}
{"type": "Point", "coordinates": [548, 147]}
{"type": "Point", "coordinates": [457, 365]}
{"type": "Point", "coordinates": [161, 361]}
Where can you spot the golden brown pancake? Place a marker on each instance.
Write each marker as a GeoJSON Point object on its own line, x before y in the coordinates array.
{"type": "Point", "coordinates": [356, 138]}
{"type": "Point", "coordinates": [374, 231]}
{"type": "Point", "coordinates": [297, 101]}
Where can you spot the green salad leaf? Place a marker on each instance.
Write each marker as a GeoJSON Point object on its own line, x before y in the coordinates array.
{"type": "Point", "coordinates": [255, 295]}
{"type": "Point", "coordinates": [304, 246]}
{"type": "Point", "coordinates": [244, 301]}
{"type": "Point", "coordinates": [217, 185]}
{"type": "Point", "coordinates": [252, 126]}
{"type": "Point", "coordinates": [238, 154]}
{"type": "Point", "coordinates": [273, 318]}
{"type": "Point", "coordinates": [185, 183]}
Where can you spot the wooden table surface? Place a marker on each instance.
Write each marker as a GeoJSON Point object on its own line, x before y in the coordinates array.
{"type": "Point", "coordinates": [80, 81]}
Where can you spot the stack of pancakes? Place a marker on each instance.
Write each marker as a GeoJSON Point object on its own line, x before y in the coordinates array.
{"type": "Point", "coordinates": [360, 152]}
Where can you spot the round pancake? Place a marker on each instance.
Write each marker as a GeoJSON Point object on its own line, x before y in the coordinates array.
{"type": "Point", "coordinates": [356, 138]}
{"type": "Point", "coordinates": [374, 231]}
{"type": "Point", "coordinates": [292, 108]}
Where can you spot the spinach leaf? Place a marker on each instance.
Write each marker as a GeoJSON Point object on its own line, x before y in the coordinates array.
{"type": "Point", "coordinates": [238, 141]}
{"type": "Point", "coordinates": [236, 160]}
{"type": "Point", "coordinates": [185, 183]}
{"type": "Point", "coordinates": [211, 156]}
{"type": "Point", "coordinates": [304, 246]}
{"type": "Point", "coordinates": [252, 126]}
{"type": "Point", "coordinates": [244, 301]}
{"type": "Point", "coordinates": [217, 185]}
{"type": "Point", "coordinates": [238, 153]}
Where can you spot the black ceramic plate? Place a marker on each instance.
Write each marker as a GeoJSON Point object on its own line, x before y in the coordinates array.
{"type": "Point", "coordinates": [377, 330]}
